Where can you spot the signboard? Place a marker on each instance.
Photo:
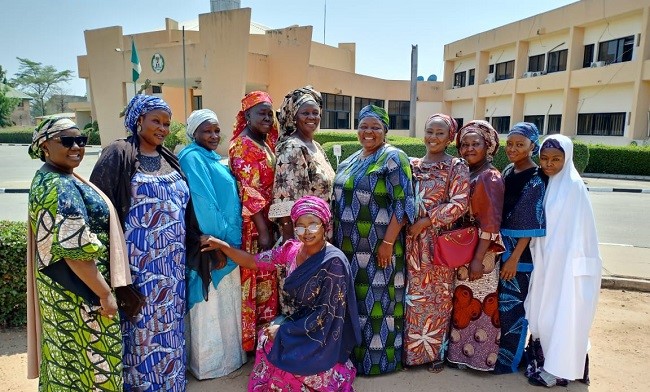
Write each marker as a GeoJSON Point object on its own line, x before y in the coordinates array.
{"type": "Point", "coordinates": [157, 63]}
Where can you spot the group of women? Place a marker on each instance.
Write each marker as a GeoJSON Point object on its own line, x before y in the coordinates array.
{"type": "Point", "coordinates": [323, 274]}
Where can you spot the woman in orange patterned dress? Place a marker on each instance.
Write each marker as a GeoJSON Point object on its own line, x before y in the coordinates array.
{"type": "Point", "coordinates": [252, 161]}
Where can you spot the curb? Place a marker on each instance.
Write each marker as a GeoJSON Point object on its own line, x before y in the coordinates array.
{"type": "Point", "coordinates": [622, 190]}
{"type": "Point", "coordinates": [631, 284]}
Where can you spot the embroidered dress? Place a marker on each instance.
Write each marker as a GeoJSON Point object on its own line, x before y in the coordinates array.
{"type": "Point", "coordinates": [368, 192]}
{"type": "Point", "coordinates": [299, 172]}
{"type": "Point", "coordinates": [429, 287]}
{"type": "Point", "coordinates": [523, 216]}
{"type": "Point", "coordinates": [79, 347]}
{"type": "Point", "coordinates": [154, 345]}
{"type": "Point", "coordinates": [474, 338]}
{"type": "Point", "coordinates": [312, 347]}
{"type": "Point", "coordinates": [253, 166]}
{"type": "Point", "coordinates": [214, 334]}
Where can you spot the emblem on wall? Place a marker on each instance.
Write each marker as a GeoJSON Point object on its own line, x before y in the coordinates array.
{"type": "Point", "coordinates": [157, 63]}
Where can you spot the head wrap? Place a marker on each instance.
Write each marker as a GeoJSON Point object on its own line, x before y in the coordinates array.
{"type": "Point", "coordinates": [451, 123]}
{"type": "Point", "coordinates": [552, 143]}
{"type": "Point", "coordinates": [292, 102]}
{"type": "Point", "coordinates": [528, 130]}
{"type": "Point", "coordinates": [485, 130]}
{"type": "Point", "coordinates": [139, 106]}
{"type": "Point", "coordinates": [376, 112]}
{"type": "Point", "coordinates": [197, 118]}
{"type": "Point", "coordinates": [311, 205]}
{"type": "Point", "coordinates": [251, 99]}
{"type": "Point", "coordinates": [46, 130]}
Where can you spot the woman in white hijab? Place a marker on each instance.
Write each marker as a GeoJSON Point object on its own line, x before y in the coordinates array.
{"type": "Point", "coordinates": [565, 282]}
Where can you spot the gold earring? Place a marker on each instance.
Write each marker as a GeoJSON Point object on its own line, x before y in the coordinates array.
{"type": "Point", "coordinates": [139, 128]}
{"type": "Point", "coordinates": [47, 154]}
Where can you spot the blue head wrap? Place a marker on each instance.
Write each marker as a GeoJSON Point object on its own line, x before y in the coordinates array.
{"type": "Point", "coordinates": [139, 106]}
{"type": "Point", "coordinates": [376, 112]}
{"type": "Point", "coordinates": [528, 130]}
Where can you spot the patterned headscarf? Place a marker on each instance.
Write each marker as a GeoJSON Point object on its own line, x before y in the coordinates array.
{"type": "Point", "coordinates": [251, 99]}
{"type": "Point", "coordinates": [485, 130]}
{"type": "Point", "coordinates": [196, 119]}
{"type": "Point", "coordinates": [140, 105]}
{"type": "Point", "coordinates": [311, 205]}
{"type": "Point", "coordinates": [46, 130]}
{"type": "Point", "coordinates": [450, 121]}
{"type": "Point", "coordinates": [376, 112]}
{"type": "Point", "coordinates": [528, 130]}
{"type": "Point", "coordinates": [552, 143]}
{"type": "Point", "coordinates": [292, 102]}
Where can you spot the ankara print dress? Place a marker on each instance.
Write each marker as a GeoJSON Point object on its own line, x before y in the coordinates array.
{"type": "Point", "coordinates": [430, 287]}
{"type": "Point", "coordinates": [79, 347]}
{"type": "Point", "coordinates": [154, 345]}
{"type": "Point", "coordinates": [368, 192]}
{"type": "Point", "coordinates": [523, 216]}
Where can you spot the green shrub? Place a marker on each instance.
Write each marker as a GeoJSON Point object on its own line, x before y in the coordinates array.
{"type": "Point", "coordinates": [629, 160]}
{"type": "Point", "coordinates": [16, 134]}
{"type": "Point", "coordinates": [13, 288]}
{"type": "Point", "coordinates": [176, 135]}
{"type": "Point", "coordinates": [92, 131]}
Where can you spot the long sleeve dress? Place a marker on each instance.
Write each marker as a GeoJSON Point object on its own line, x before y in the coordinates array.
{"type": "Point", "coordinates": [429, 287]}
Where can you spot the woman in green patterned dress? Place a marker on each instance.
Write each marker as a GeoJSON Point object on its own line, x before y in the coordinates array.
{"type": "Point", "coordinates": [80, 339]}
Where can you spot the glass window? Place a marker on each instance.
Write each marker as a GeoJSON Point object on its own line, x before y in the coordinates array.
{"type": "Point", "coordinates": [399, 113]}
{"type": "Point", "coordinates": [601, 124]}
{"type": "Point", "coordinates": [470, 78]}
{"type": "Point", "coordinates": [459, 79]}
{"type": "Point", "coordinates": [197, 102]}
{"type": "Point", "coordinates": [501, 123]}
{"type": "Point", "coordinates": [491, 68]}
{"type": "Point", "coordinates": [589, 56]}
{"type": "Point", "coordinates": [360, 103]}
{"type": "Point", "coordinates": [336, 111]}
{"type": "Point", "coordinates": [536, 63]}
{"type": "Point", "coordinates": [505, 70]}
{"type": "Point", "coordinates": [616, 50]}
{"type": "Point", "coordinates": [554, 124]}
{"type": "Point", "coordinates": [557, 61]}
{"type": "Point", "coordinates": [538, 120]}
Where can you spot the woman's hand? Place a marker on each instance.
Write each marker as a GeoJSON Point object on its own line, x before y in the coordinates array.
{"type": "Point", "coordinates": [108, 306]}
{"type": "Point", "coordinates": [209, 243]}
{"type": "Point", "coordinates": [419, 226]}
{"type": "Point", "coordinates": [271, 331]}
{"type": "Point", "coordinates": [384, 254]}
{"type": "Point", "coordinates": [475, 269]}
{"type": "Point", "coordinates": [509, 268]}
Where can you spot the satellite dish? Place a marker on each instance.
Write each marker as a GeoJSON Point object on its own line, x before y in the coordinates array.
{"type": "Point", "coordinates": [432, 78]}
{"type": "Point", "coordinates": [420, 78]}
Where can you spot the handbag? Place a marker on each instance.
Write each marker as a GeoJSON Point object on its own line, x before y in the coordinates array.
{"type": "Point", "coordinates": [129, 300]}
{"type": "Point", "coordinates": [455, 248]}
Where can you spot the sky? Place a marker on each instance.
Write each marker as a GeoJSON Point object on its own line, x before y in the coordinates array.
{"type": "Point", "coordinates": [52, 31]}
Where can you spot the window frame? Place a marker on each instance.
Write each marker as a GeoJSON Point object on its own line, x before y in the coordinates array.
{"type": "Point", "coordinates": [622, 55]}
{"type": "Point", "coordinates": [588, 56]}
{"type": "Point", "coordinates": [361, 102]}
{"type": "Point", "coordinates": [337, 109]}
{"type": "Point", "coordinates": [554, 62]}
{"type": "Point", "coordinates": [539, 61]}
{"type": "Point", "coordinates": [601, 124]}
{"type": "Point", "coordinates": [460, 78]}
{"type": "Point", "coordinates": [471, 76]}
{"type": "Point", "coordinates": [501, 124]}
{"type": "Point", "coordinates": [402, 115]}
{"type": "Point", "coordinates": [508, 68]}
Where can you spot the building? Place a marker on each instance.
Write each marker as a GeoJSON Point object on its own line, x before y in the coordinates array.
{"type": "Point", "coordinates": [227, 56]}
{"type": "Point", "coordinates": [21, 115]}
{"type": "Point", "coordinates": [582, 70]}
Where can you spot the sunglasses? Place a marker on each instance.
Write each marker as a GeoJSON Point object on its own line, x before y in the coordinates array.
{"type": "Point", "coordinates": [69, 141]}
{"type": "Point", "coordinates": [313, 229]}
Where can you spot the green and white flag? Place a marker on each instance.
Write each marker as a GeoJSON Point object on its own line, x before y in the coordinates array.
{"type": "Point", "coordinates": [135, 62]}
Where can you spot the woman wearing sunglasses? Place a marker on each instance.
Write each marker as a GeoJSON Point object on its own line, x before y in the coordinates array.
{"type": "Point", "coordinates": [73, 325]}
{"type": "Point", "coordinates": [309, 345]}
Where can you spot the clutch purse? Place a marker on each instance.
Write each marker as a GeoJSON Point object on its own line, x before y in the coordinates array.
{"type": "Point", "coordinates": [61, 273]}
{"type": "Point", "coordinates": [129, 300]}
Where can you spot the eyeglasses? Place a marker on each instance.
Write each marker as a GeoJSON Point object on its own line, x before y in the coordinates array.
{"type": "Point", "coordinates": [313, 229]}
{"type": "Point", "coordinates": [69, 141]}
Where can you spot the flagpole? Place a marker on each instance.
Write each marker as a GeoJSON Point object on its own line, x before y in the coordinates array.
{"type": "Point", "coordinates": [184, 77]}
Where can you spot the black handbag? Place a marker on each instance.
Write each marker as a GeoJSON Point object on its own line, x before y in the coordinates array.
{"type": "Point", "coordinates": [60, 272]}
{"type": "Point", "coordinates": [130, 300]}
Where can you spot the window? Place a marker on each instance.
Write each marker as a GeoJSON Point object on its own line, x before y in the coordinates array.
{"type": "Point", "coordinates": [616, 50]}
{"type": "Point", "coordinates": [360, 103]}
{"type": "Point", "coordinates": [399, 114]}
{"type": "Point", "coordinates": [336, 111]}
{"type": "Point", "coordinates": [501, 123]}
{"type": "Point", "coordinates": [197, 102]}
{"type": "Point", "coordinates": [505, 70]}
{"type": "Point", "coordinates": [538, 120]}
{"type": "Point", "coordinates": [601, 124]}
{"type": "Point", "coordinates": [536, 63]}
{"type": "Point", "coordinates": [491, 69]}
{"type": "Point", "coordinates": [554, 124]}
{"type": "Point", "coordinates": [156, 89]}
{"type": "Point", "coordinates": [557, 61]}
{"type": "Point", "coordinates": [471, 76]}
{"type": "Point", "coordinates": [459, 121]}
{"type": "Point", "coordinates": [459, 79]}
{"type": "Point", "coordinates": [589, 56]}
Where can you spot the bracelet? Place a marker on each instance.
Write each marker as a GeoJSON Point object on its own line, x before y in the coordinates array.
{"type": "Point", "coordinates": [389, 243]}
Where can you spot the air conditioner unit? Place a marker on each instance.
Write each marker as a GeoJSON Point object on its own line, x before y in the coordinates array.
{"type": "Point", "coordinates": [456, 86]}
{"type": "Point", "coordinates": [596, 64]}
{"type": "Point", "coordinates": [536, 73]}
{"type": "Point", "coordinates": [527, 74]}
{"type": "Point", "coordinates": [490, 78]}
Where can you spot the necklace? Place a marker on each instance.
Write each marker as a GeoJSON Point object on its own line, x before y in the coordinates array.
{"type": "Point", "coordinates": [148, 163]}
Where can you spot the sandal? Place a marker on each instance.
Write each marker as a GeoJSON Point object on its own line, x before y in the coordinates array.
{"type": "Point", "coordinates": [436, 367]}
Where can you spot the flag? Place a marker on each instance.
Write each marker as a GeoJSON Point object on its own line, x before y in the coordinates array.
{"type": "Point", "coordinates": [135, 62]}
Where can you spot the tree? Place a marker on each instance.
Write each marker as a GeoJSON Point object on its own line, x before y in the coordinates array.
{"type": "Point", "coordinates": [38, 81]}
{"type": "Point", "coordinates": [3, 75]}
{"type": "Point", "coordinates": [7, 106]}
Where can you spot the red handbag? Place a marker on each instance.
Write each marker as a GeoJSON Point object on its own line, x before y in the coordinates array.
{"type": "Point", "coordinates": [455, 248]}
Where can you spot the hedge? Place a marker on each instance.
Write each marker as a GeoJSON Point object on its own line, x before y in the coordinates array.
{"type": "Point", "coordinates": [176, 135]}
{"type": "Point", "coordinates": [630, 160]}
{"type": "Point", "coordinates": [13, 289]}
{"type": "Point", "coordinates": [16, 137]}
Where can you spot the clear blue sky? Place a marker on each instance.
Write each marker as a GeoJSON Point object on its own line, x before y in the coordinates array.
{"type": "Point", "coordinates": [51, 31]}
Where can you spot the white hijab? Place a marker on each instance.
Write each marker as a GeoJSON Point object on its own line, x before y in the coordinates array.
{"type": "Point", "coordinates": [197, 118]}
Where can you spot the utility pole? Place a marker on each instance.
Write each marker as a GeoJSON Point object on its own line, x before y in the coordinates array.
{"type": "Point", "coordinates": [414, 89]}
